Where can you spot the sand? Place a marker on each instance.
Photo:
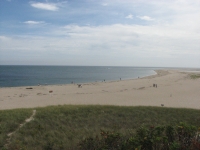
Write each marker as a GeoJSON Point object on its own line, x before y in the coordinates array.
{"type": "Point", "coordinates": [175, 88]}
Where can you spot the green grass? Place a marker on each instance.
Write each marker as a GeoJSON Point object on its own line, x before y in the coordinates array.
{"type": "Point", "coordinates": [62, 127]}
{"type": "Point", "coordinates": [10, 120]}
{"type": "Point", "coordinates": [195, 76]}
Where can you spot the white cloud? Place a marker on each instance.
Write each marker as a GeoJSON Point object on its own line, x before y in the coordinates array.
{"type": "Point", "coordinates": [120, 38]}
{"type": "Point", "coordinates": [146, 18]}
{"type": "Point", "coordinates": [30, 22]}
{"type": "Point", "coordinates": [129, 16]}
{"type": "Point", "coordinates": [104, 4]}
{"type": "Point", "coordinates": [125, 42]}
{"type": "Point", "coordinates": [45, 6]}
{"type": "Point", "coordinates": [4, 38]}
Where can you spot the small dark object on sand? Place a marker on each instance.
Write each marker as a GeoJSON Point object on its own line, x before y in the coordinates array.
{"type": "Point", "coordinates": [29, 88]}
{"type": "Point", "coordinates": [79, 85]}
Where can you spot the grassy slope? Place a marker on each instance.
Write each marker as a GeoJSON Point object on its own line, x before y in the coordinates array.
{"type": "Point", "coordinates": [10, 120]}
{"type": "Point", "coordinates": [62, 127]}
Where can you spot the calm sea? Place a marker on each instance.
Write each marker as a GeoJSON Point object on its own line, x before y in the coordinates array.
{"type": "Point", "coordinates": [12, 76]}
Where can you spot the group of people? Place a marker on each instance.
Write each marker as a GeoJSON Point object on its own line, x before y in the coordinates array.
{"type": "Point", "coordinates": [155, 85]}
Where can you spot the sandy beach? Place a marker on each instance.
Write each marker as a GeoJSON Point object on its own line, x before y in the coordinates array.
{"type": "Point", "coordinates": [174, 88]}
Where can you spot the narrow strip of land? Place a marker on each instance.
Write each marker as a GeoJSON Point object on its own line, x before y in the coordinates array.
{"type": "Point", "coordinates": [169, 88]}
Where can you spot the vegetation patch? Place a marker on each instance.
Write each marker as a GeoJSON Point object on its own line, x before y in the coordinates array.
{"type": "Point", "coordinates": [63, 127]}
{"type": "Point", "coordinates": [182, 137]}
{"type": "Point", "coordinates": [195, 76]}
{"type": "Point", "coordinates": [10, 120]}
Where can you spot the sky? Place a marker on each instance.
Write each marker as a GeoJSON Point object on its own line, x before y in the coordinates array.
{"type": "Point", "coordinates": [150, 33]}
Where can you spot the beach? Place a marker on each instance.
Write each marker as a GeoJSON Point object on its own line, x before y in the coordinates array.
{"type": "Point", "coordinates": [168, 88]}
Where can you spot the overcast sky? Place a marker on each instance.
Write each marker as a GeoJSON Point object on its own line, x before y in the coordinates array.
{"type": "Point", "coordinates": [158, 33]}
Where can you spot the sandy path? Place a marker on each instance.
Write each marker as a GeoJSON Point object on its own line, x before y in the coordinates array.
{"type": "Point", "coordinates": [20, 126]}
{"type": "Point", "coordinates": [174, 89]}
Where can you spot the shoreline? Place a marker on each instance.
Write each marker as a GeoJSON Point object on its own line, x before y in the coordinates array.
{"type": "Point", "coordinates": [80, 82]}
{"type": "Point", "coordinates": [153, 69]}
{"type": "Point", "coordinates": [55, 75]}
{"type": "Point", "coordinates": [175, 89]}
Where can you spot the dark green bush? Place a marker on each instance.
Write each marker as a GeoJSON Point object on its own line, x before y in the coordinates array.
{"type": "Point", "coordinates": [181, 137]}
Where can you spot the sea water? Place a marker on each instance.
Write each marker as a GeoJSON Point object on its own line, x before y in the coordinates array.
{"type": "Point", "coordinates": [12, 76]}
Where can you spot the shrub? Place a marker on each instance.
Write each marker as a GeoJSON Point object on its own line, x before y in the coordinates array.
{"type": "Point", "coordinates": [181, 137]}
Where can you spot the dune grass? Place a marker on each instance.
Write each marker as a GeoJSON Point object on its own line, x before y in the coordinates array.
{"type": "Point", "coordinates": [62, 127]}
{"type": "Point", "coordinates": [195, 76]}
{"type": "Point", "coordinates": [10, 120]}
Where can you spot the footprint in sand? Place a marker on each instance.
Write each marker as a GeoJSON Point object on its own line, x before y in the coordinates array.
{"type": "Point", "coordinates": [141, 88]}
{"type": "Point", "coordinates": [22, 95]}
{"type": "Point", "coordinates": [39, 94]}
{"type": "Point", "coordinates": [104, 91]}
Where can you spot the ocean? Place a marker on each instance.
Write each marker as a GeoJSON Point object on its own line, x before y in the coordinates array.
{"type": "Point", "coordinates": [14, 76]}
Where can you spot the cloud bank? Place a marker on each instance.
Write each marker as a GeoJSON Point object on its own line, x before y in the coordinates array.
{"type": "Point", "coordinates": [130, 43]}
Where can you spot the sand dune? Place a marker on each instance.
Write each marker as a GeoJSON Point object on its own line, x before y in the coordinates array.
{"type": "Point", "coordinates": [174, 89]}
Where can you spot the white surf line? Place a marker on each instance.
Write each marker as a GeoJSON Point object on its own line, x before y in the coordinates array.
{"type": "Point", "coordinates": [20, 126]}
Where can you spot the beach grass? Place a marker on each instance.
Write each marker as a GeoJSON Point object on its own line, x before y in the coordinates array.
{"type": "Point", "coordinates": [195, 76]}
{"type": "Point", "coordinates": [10, 121]}
{"type": "Point", "coordinates": [62, 127]}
